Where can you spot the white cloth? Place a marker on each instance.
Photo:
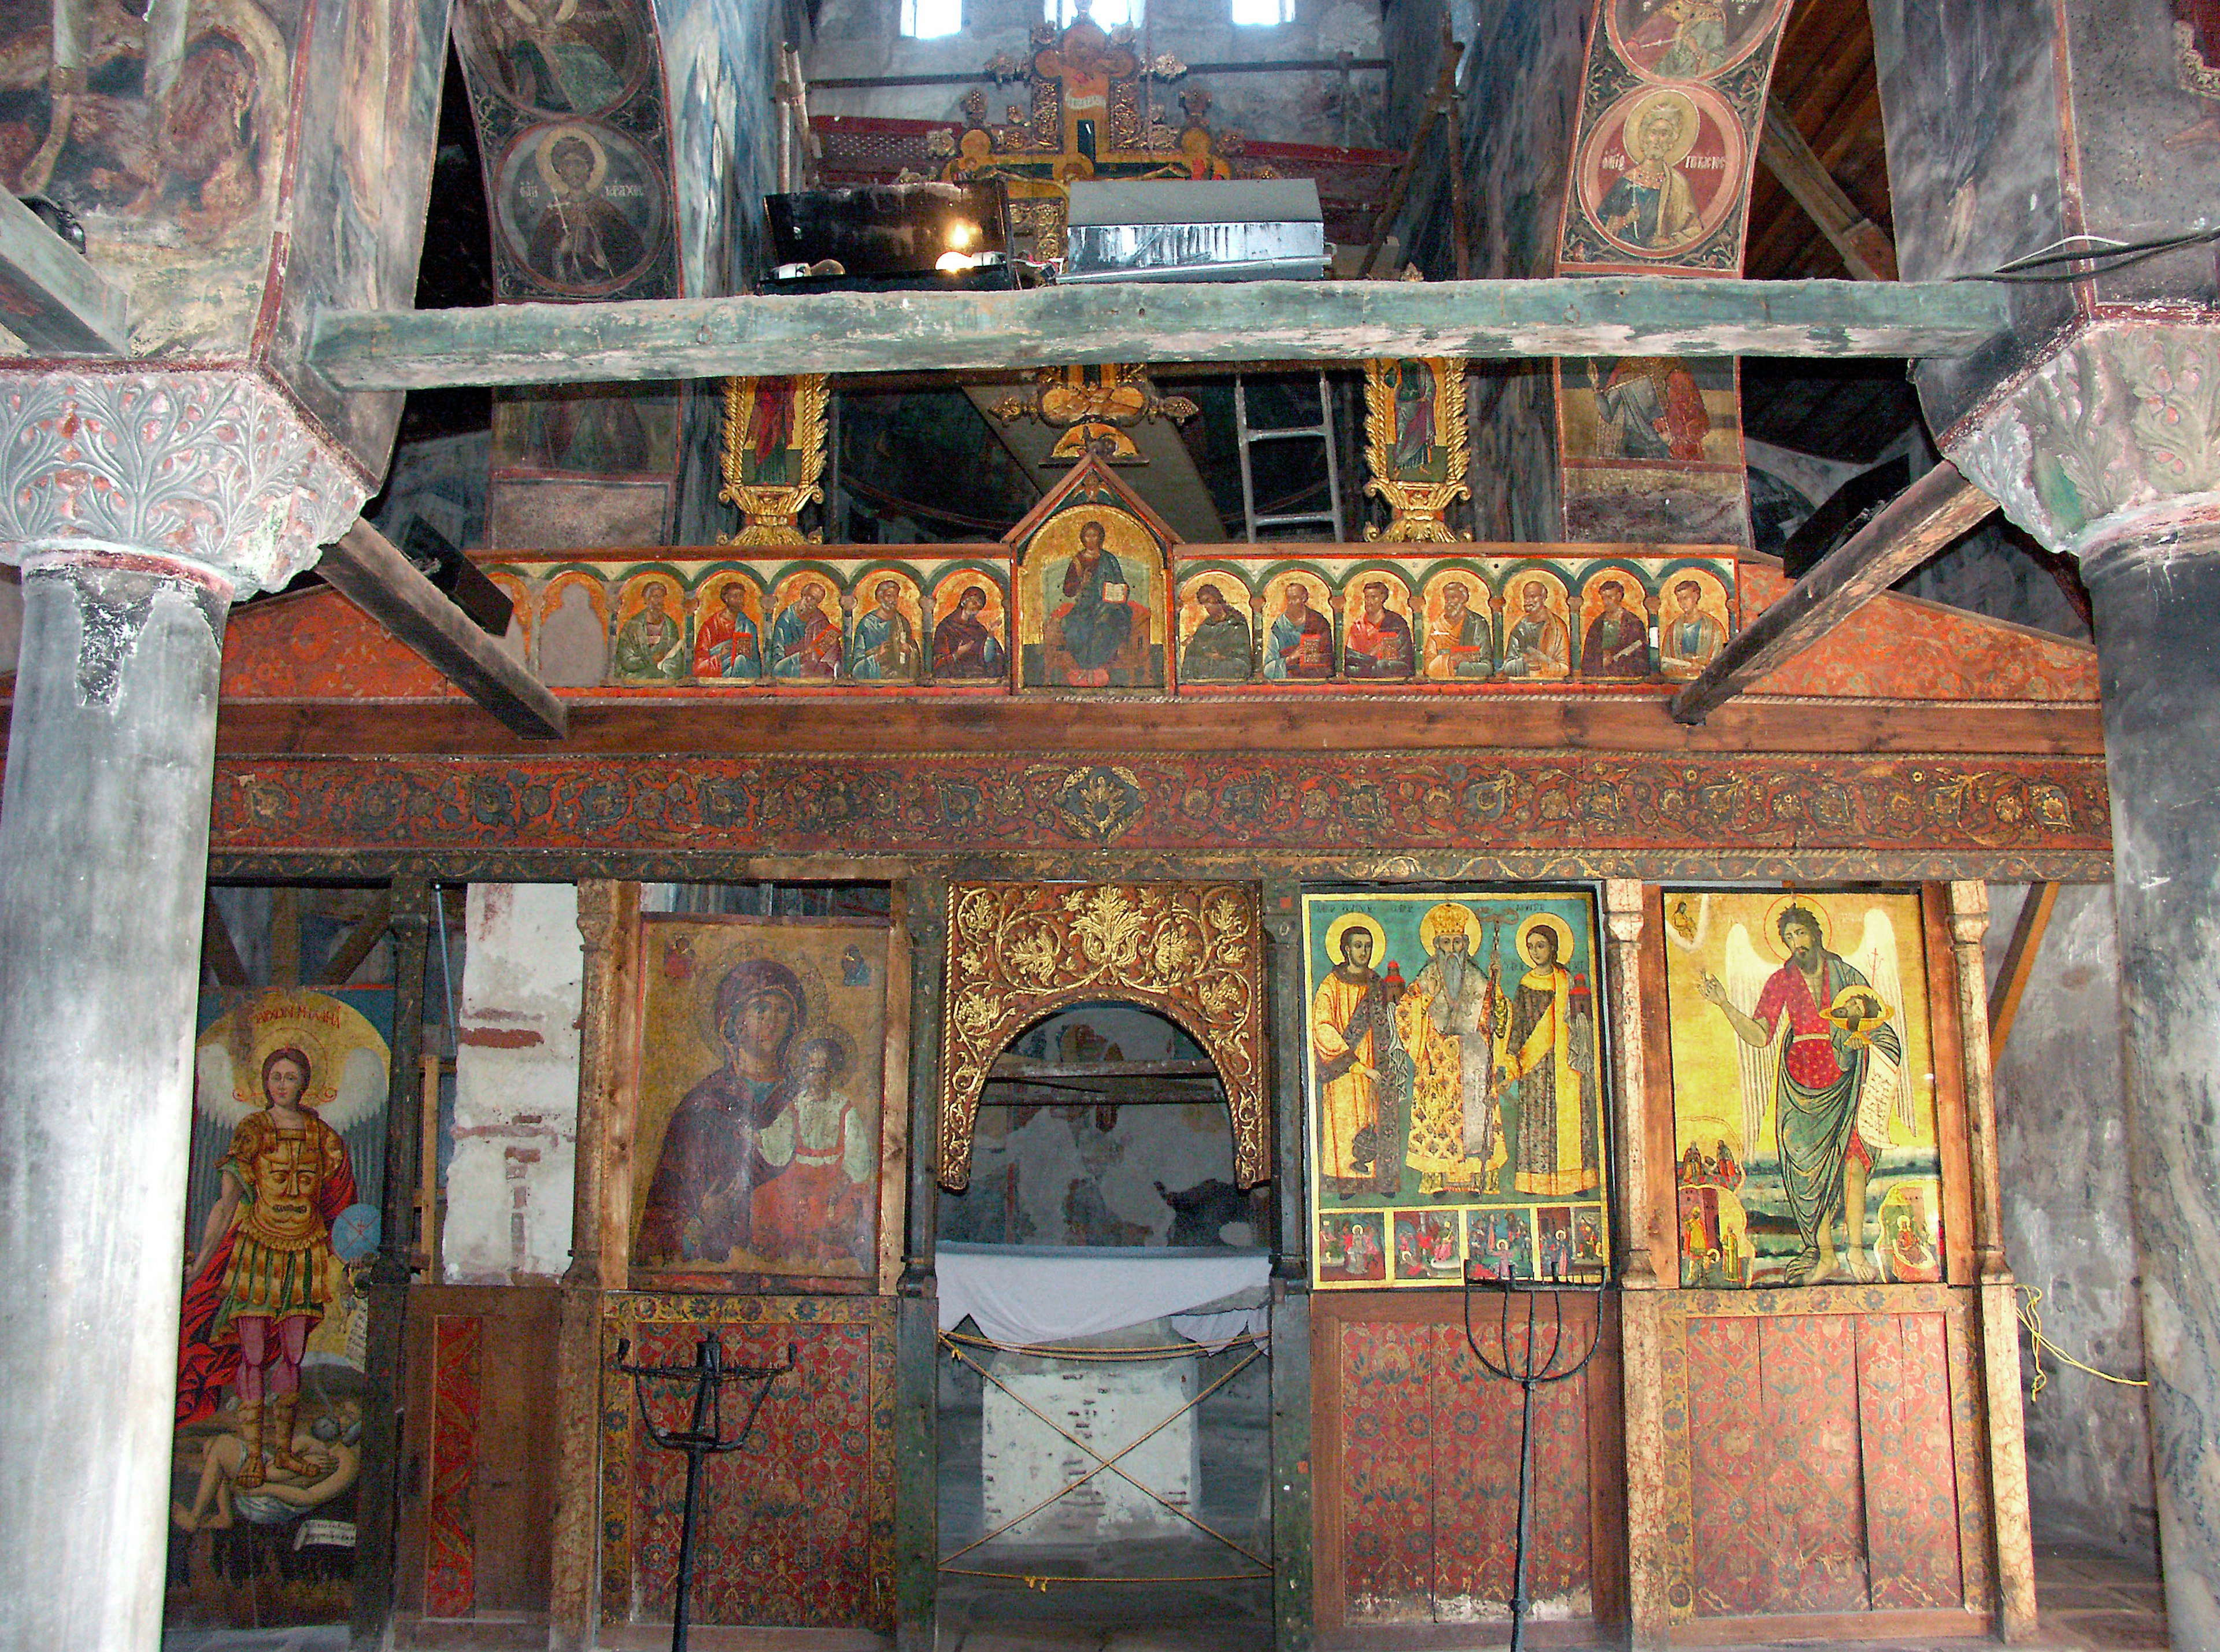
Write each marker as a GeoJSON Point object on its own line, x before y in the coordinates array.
{"type": "Point", "coordinates": [1024, 1294]}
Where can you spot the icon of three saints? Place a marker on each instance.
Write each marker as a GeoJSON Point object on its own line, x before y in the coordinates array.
{"type": "Point", "coordinates": [1480, 1077]}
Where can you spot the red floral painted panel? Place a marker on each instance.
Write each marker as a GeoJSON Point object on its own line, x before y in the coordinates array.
{"type": "Point", "coordinates": [1388, 1473]}
{"type": "Point", "coordinates": [1728, 1450]}
{"type": "Point", "coordinates": [1900, 648]}
{"type": "Point", "coordinates": [1912, 1503]}
{"type": "Point", "coordinates": [1808, 1406]}
{"type": "Point", "coordinates": [1476, 1421]}
{"type": "Point", "coordinates": [450, 1533]}
{"type": "Point", "coordinates": [786, 1524]}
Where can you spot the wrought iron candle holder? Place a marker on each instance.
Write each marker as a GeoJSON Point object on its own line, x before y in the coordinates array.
{"type": "Point", "coordinates": [703, 1436]}
{"type": "Point", "coordinates": [1520, 1365]}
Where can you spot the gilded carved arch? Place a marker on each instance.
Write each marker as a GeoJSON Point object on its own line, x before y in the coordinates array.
{"type": "Point", "coordinates": [1017, 952]}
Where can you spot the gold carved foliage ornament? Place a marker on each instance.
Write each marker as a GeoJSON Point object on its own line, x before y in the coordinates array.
{"type": "Point", "coordinates": [1018, 951]}
{"type": "Point", "coordinates": [1416, 445]}
{"type": "Point", "coordinates": [774, 457]}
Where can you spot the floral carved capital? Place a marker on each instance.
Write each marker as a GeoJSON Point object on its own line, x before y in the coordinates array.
{"type": "Point", "coordinates": [214, 468]}
{"type": "Point", "coordinates": [1018, 951]}
{"type": "Point", "coordinates": [2122, 423]}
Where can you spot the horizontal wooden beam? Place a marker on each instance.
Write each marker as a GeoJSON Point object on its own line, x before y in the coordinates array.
{"type": "Point", "coordinates": [1295, 321]}
{"type": "Point", "coordinates": [1913, 527]}
{"type": "Point", "coordinates": [365, 568]}
{"type": "Point", "coordinates": [1865, 246]}
{"type": "Point", "coordinates": [50, 297]}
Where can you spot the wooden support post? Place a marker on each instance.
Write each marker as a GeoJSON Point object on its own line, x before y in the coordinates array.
{"type": "Point", "coordinates": [378, 1509]}
{"type": "Point", "coordinates": [365, 566]}
{"type": "Point", "coordinates": [1915, 526]}
{"type": "Point", "coordinates": [917, 1325]}
{"type": "Point", "coordinates": [51, 298]}
{"type": "Point", "coordinates": [360, 943]}
{"type": "Point", "coordinates": [1443, 102]}
{"type": "Point", "coordinates": [605, 910]}
{"type": "Point", "coordinates": [1294, 1595]}
{"type": "Point", "coordinates": [1864, 244]}
{"type": "Point", "coordinates": [218, 956]}
{"type": "Point", "coordinates": [2000, 1373]}
{"type": "Point", "coordinates": [767, 336]}
{"type": "Point", "coordinates": [1625, 906]}
{"type": "Point", "coordinates": [2020, 954]}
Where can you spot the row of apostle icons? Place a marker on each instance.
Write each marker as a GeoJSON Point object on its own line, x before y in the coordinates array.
{"type": "Point", "coordinates": [807, 624]}
{"type": "Point", "coordinates": [1430, 1246]}
{"type": "Point", "coordinates": [1514, 621]}
{"type": "Point", "coordinates": [1527, 622]}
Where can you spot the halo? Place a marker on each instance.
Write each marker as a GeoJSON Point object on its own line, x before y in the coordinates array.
{"type": "Point", "coordinates": [1684, 112]}
{"type": "Point", "coordinates": [346, 1057]}
{"type": "Point", "coordinates": [1557, 927]}
{"type": "Point", "coordinates": [544, 158]}
{"type": "Point", "coordinates": [1770, 940]}
{"type": "Point", "coordinates": [1439, 917]}
{"type": "Point", "coordinates": [713, 963]}
{"type": "Point", "coordinates": [1349, 920]}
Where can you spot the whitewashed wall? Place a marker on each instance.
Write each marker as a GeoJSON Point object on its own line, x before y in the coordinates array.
{"type": "Point", "coordinates": [516, 1087]}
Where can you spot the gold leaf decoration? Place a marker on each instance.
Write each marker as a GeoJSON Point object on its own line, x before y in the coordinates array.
{"type": "Point", "coordinates": [1187, 950]}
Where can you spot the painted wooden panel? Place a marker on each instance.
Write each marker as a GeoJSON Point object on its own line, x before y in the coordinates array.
{"type": "Point", "coordinates": [451, 1531]}
{"type": "Point", "coordinates": [1829, 1463]}
{"type": "Point", "coordinates": [1387, 1483]}
{"type": "Point", "coordinates": [796, 1530]}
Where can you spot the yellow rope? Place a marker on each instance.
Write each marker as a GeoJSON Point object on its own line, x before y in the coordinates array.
{"type": "Point", "coordinates": [2030, 1315]}
{"type": "Point", "coordinates": [952, 1339]}
{"type": "Point", "coordinates": [1102, 1463]}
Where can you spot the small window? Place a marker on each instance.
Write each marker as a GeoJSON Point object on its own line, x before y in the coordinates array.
{"type": "Point", "coordinates": [929, 20]}
{"type": "Point", "coordinates": [1263, 13]}
{"type": "Point", "coordinates": [1104, 14]}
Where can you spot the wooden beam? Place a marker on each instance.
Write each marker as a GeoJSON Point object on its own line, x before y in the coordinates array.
{"type": "Point", "coordinates": [365, 567]}
{"type": "Point", "coordinates": [1307, 321]}
{"type": "Point", "coordinates": [2018, 965]}
{"type": "Point", "coordinates": [51, 298]}
{"type": "Point", "coordinates": [1913, 527]}
{"type": "Point", "coordinates": [361, 941]}
{"type": "Point", "coordinates": [1864, 244]}
{"type": "Point", "coordinates": [218, 953]}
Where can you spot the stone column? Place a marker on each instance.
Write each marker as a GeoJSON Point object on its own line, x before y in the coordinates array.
{"type": "Point", "coordinates": [2110, 449]}
{"type": "Point", "coordinates": [139, 506]}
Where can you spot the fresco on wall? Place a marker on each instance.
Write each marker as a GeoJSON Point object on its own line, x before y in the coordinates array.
{"type": "Point", "coordinates": [581, 206]}
{"type": "Point", "coordinates": [1670, 106]}
{"type": "Point", "coordinates": [590, 429]}
{"type": "Point", "coordinates": [1454, 1086]}
{"type": "Point", "coordinates": [761, 1082]}
{"type": "Point", "coordinates": [1686, 409]}
{"type": "Point", "coordinates": [554, 57]}
{"type": "Point", "coordinates": [1804, 1107]}
{"type": "Point", "coordinates": [287, 1158]}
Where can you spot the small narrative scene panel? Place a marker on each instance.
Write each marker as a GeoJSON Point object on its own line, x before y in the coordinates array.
{"type": "Point", "coordinates": [1453, 1088]}
{"type": "Point", "coordinates": [282, 1226]}
{"type": "Point", "coordinates": [761, 1087]}
{"type": "Point", "coordinates": [1804, 1108]}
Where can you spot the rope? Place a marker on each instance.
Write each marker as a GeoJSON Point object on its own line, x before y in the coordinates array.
{"type": "Point", "coordinates": [2030, 1315]}
{"type": "Point", "coordinates": [953, 1339]}
{"type": "Point", "coordinates": [1109, 1462]}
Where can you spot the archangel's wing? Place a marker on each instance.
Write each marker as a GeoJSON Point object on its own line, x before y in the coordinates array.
{"type": "Point", "coordinates": [213, 1081]}
{"type": "Point", "coordinates": [1746, 975]}
{"type": "Point", "coordinates": [361, 1090]}
{"type": "Point", "coordinates": [1888, 1091]}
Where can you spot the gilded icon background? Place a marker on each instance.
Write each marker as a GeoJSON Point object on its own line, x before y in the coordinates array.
{"type": "Point", "coordinates": [1453, 1077]}
{"type": "Point", "coordinates": [1804, 1102]}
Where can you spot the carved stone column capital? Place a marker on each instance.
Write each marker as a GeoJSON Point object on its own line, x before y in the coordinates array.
{"type": "Point", "coordinates": [214, 473]}
{"type": "Point", "coordinates": [2113, 437]}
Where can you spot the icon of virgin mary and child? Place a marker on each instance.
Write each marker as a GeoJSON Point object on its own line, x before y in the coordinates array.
{"type": "Point", "coordinates": [766, 1164]}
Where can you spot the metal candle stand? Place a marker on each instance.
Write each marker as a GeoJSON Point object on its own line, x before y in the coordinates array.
{"type": "Point", "coordinates": [1530, 1374]}
{"type": "Point", "coordinates": [702, 1438]}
